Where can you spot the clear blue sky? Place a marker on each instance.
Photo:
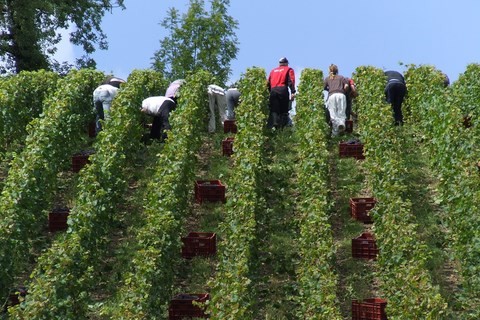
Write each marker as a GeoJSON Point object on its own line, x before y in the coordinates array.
{"type": "Point", "coordinates": [313, 34]}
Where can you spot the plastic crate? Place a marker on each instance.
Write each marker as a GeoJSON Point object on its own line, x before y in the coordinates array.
{"type": "Point", "coordinates": [199, 244]}
{"type": "Point", "coordinates": [359, 208]}
{"type": "Point", "coordinates": [79, 160]}
{"type": "Point", "coordinates": [227, 146]}
{"type": "Point", "coordinates": [349, 126]}
{"type": "Point", "coordinates": [351, 150]}
{"type": "Point", "coordinates": [15, 296]}
{"type": "Point", "coordinates": [369, 309]}
{"type": "Point", "coordinates": [182, 306]}
{"type": "Point", "coordinates": [229, 126]}
{"type": "Point", "coordinates": [57, 220]}
{"type": "Point", "coordinates": [209, 190]}
{"type": "Point", "coordinates": [364, 247]}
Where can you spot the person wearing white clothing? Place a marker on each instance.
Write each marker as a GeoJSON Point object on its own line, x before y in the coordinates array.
{"type": "Point", "coordinates": [336, 105]}
{"type": "Point", "coordinates": [102, 100]}
{"type": "Point", "coordinates": [217, 100]}
{"type": "Point", "coordinates": [159, 107]}
{"type": "Point", "coordinates": [337, 86]}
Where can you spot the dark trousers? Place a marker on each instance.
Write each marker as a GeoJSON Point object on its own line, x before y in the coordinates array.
{"type": "Point", "coordinates": [279, 104]}
{"type": "Point", "coordinates": [395, 93]}
{"type": "Point", "coordinates": [161, 124]}
{"type": "Point", "coordinates": [100, 116]}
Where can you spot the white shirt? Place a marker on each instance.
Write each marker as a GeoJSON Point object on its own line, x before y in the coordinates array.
{"type": "Point", "coordinates": [214, 89]}
{"type": "Point", "coordinates": [105, 93]}
{"type": "Point", "coordinates": [151, 106]}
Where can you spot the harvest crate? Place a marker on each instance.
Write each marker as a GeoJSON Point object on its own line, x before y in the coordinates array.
{"type": "Point", "coordinates": [80, 159]}
{"type": "Point", "coordinates": [351, 150]}
{"type": "Point", "coordinates": [359, 208]}
{"type": "Point", "coordinates": [467, 121]}
{"type": "Point", "coordinates": [199, 244]}
{"type": "Point", "coordinates": [364, 247]}
{"type": "Point", "coordinates": [57, 219]}
{"type": "Point", "coordinates": [227, 146]}
{"type": "Point", "coordinates": [369, 309]}
{"type": "Point", "coordinates": [229, 126]}
{"type": "Point", "coordinates": [349, 126]}
{"type": "Point", "coordinates": [15, 296]}
{"type": "Point", "coordinates": [182, 306]}
{"type": "Point", "coordinates": [209, 190]}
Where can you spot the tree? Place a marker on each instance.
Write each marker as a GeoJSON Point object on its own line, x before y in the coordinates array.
{"type": "Point", "coordinates": [198, 40]}
{"type": "Point", "coordinates": [29, 31]}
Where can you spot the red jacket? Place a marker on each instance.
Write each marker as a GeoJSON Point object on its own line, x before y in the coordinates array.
{"type": "Point", "coordinates": [282, 76]}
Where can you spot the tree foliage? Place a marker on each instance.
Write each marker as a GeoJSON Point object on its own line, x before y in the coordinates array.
{"type": "Point", "coordinates": [199, 39]}
{"type": "Point", "coordinates": [29, 31]}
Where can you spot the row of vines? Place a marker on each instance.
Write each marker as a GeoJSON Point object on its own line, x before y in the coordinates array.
{"type": "Point", "coordinates": [405, 278]}
{"type": "Point", "coordinates": [233, 297]}
{"type": "Point", "coordinates": [32, 176]}
{"type": "Point", "coordinates": [448, 119]}
{"type": "Point", "coordinates": [66, 272]}
{"type": "Point", "coordinates": [316, 276]}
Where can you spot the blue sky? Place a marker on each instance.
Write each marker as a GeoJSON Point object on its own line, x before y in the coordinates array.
{"type": "Point", "coordinates": [311, 34]}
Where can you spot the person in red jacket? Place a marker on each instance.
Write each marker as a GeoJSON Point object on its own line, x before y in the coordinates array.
{"type": "Point", "coordinates": [281, 85]}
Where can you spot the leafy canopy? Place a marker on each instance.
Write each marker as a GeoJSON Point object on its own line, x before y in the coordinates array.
{"type": "Point", "coordinates": [29, 31]}
{"type": "Point", "coordinates": [199, 39]}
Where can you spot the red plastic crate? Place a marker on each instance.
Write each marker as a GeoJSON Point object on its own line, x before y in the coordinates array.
{"type": "Point", "coordinates": [364, 247]}
{"type": "Point", "coordinates": [229, 126]}
{"type": "Point", "coordinates": [351, 150]}
{"type": "Point", "coordinates": [199, 244]}
{"type": "Point", "coordinates": [79, 160]}
{"type": "Point", "coordinates": [57, 220]}
{"type": "Point", "coordinates": [349, 126]}
{"type": "Point", "coordinates": [209, 190]}
{"type": "Point", "coordinates": [359, 208]}
{"type": "Point", "coordinates": [227, 146]}
{"type": "Point", "coordinates": [14, 297]}
{"type": "Point", "coordinates": [182, 306]}
{"type": "Point", "coordinates": [369, 309]}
